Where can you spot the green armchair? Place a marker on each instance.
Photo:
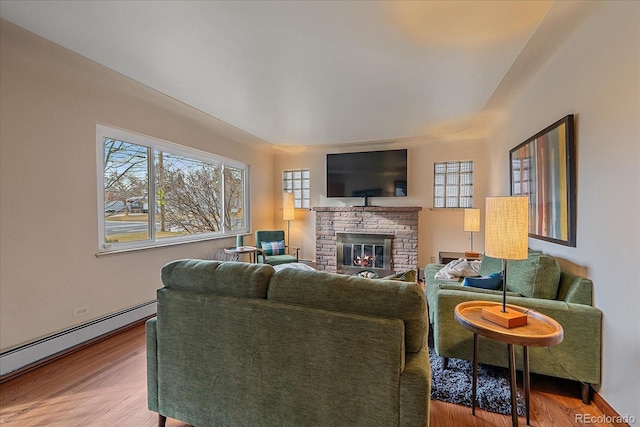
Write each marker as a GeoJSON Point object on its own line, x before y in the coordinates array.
{"type": "Point", "coordinates": [272, 249]}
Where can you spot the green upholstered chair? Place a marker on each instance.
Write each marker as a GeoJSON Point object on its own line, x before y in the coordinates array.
{"type": "Point", "coordinates": [269, 236]}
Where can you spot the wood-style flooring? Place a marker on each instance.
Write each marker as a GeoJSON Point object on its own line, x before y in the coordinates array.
{"type": "Point", "coordinates": [105, 385]}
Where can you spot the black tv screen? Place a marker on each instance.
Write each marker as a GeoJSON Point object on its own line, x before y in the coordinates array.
{"type": "Point", "coordinates": [370, 173]}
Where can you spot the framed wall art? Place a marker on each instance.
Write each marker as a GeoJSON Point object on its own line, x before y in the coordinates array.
{"type": "Point", "coordinates": [544, 168]}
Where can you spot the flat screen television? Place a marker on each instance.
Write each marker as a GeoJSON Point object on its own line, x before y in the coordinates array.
{"type": "Point", "coordinates": [367, 174]}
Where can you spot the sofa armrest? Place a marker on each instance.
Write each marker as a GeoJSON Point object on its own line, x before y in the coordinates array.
{"type": "Point", "coordinates": [575, 289]}
{"type": "Point", "coordinates": [152, 363]}
{"type": "Point", "coordinates": [415, 389]}
{"type": "Point", "coordinates": [576, 357]}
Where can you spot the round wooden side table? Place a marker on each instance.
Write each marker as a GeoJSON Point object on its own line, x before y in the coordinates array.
{"type": "Point", "coordinates": [241, 250]}
{"type": "Point", "coordinates": [540, 331]}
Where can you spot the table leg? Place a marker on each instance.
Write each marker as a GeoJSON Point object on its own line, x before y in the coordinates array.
{"type": "Point", "coordinates": [475, 374]}
{"type": "Point", "coordinates": [525, 374]}
{"type": "Point", "coordinates": [512, 381]}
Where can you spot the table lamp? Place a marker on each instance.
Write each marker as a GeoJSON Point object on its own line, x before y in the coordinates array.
{"type": "Point", "coordinates": [288, 211]}
{"type": "Point", "coordinates": [506, 237]}
{"type": "Point", "coordinates": [471, 224]}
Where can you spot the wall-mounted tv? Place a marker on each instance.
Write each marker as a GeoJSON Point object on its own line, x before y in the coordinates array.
{"type": "Point", "coordinates": [367, 174]}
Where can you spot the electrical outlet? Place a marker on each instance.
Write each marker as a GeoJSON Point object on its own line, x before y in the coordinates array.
{"type": "Point", "coordinates": [433, 259]}
{"type": "Point", "coordinates": [80, 311]}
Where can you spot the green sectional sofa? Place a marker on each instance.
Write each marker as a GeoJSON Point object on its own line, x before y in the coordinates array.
{"type": "Point", "coordinates": [537, 283]}
{"type": "Point", "coordinates": [237, 344]}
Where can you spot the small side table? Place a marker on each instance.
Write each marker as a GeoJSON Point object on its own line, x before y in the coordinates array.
{"type": "Point", "coordinates": [447, 257]}
{"type": "Point", "coordinates": [242, 250]}
{"type": "Point", "coordinates": [540, 331]}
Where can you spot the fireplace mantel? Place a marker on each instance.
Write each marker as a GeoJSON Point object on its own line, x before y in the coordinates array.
{"type": "Point", "coordinates": [368, 209]}
{"type": "Point", "coordinates": [401, 222]}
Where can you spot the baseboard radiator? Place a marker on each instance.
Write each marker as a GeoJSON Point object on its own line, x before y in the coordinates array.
{"type": "Point", "coordinates": [44, 348]}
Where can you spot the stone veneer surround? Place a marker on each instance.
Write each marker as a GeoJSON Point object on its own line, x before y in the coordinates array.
{"type": "Point", "coordinates": [401, 222]}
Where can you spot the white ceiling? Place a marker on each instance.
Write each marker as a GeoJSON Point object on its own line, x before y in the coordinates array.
{"type": "Point", "coordinates": [303, 72]}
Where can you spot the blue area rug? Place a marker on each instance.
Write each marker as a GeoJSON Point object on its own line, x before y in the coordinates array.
{"type": "Point", "coordinates": [454, 385]}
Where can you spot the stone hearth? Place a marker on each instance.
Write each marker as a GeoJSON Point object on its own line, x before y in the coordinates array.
{"type": "Point", "coordinates": [400, 223]}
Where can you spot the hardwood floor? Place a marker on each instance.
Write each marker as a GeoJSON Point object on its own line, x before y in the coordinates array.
{"type": "Point", "coordinates": [105, 385]}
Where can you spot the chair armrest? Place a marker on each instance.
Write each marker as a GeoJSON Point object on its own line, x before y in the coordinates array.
{"type": "Point", "coordinates": [260, 251]}
{"type": "Point", "coordinates": [296, 249]}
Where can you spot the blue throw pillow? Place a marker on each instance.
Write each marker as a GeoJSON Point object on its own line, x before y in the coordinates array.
{"type": "Point", "coordinates": [273, 248]}
{"type": "Point", "coordinates": [492, 281]}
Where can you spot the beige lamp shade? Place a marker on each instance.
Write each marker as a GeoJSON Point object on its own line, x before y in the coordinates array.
{"type": "Point", "coordinates": [288, 210]}
{"type": "Point", "coordinates": [472, 220]}
{"type": "Point", "coordinates": [507, 227]}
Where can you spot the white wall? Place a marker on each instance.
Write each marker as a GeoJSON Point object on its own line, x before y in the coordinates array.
{"type": "Point", "coordinates": [51, 102]}
{"type": "Point", "coordinates": [595, 75]}
{"type": "Point", "coordinates": [440, 230]}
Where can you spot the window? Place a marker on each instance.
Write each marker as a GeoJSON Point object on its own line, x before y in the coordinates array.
{"type": "Point", "coordinates": [521, 176]}
{"type": "Point", "coordinates": [154, 192]}
{"type": "Point", "coordinates": [453, 184]}
{"type": "Point", "coordinates": [297, 181]}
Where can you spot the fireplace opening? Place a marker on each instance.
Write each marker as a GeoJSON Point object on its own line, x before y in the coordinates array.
{"type": "Point", "coordinates": [364, 251]}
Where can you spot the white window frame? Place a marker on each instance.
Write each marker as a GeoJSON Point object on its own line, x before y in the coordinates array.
{"type": "Point", "coordinates": [155, 144]}
{"type": "Point", "coordinates": [455, 180]}
{"type": "Point", "coordinates": [298, 187]}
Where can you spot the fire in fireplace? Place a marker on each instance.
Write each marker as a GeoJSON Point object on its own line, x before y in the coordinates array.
{"type": "Point", "coordinates": [365, 261]}
{"type": "Point", "coordinates": [372, 251]}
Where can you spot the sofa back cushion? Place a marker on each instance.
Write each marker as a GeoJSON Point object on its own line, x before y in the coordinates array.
{"type": "Point", "coordinates": [382, 298]}
{"type": "Point", "coordinates": [232, 279]}
{"type": "Point", "coordinates": [252, 362]}
{"type": "Point", "coordinates": [537, 276]}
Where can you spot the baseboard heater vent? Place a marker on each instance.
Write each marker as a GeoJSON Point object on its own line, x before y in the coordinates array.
{"type": "Point", "coordinates": [43, 348]}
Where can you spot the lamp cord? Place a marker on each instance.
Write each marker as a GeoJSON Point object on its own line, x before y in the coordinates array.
{"type": "Point", "coordinates": [562, 367]}
{"type": "Point", "coordinates": [554, 356]}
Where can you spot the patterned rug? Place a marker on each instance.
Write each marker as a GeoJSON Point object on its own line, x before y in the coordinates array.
{"type": "Point", "coordinates": [454, 385]}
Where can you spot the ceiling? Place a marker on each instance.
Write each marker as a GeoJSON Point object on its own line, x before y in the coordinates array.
{"type": "Point", "coordinates": [301, 73]}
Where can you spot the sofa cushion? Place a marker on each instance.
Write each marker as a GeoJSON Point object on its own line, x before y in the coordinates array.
{"type": "Point", "coordinates": [537, 276]}
{"type": "Point", "coordinates": [406, 276]}
{"type": "Point", "coordinates": [233, 279]}
{"type": "Point", "coordinates": [492, 281]}
{"type": "Point", "coordinates": [350, 294]}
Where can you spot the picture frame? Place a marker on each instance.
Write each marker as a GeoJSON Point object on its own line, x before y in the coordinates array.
{"type": "Point", "coordinates": [544, 168]}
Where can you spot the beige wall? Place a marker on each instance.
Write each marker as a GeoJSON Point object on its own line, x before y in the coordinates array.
{"type": "Point", "coordinates": [51, 102]}
{"type": "Point", "coordinates": [596, 76]}
{"type": "Point", "coordinates": [440, 230]}
{"type": "Point", "coordinates": [52, 99]}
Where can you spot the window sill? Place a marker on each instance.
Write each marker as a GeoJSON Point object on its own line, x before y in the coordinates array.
{"type": "Point", "coordinates": [159, 245]}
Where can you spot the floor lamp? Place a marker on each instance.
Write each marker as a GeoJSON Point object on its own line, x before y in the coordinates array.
{"type": "Point", "coordinates": [471, 224]}
{"type": "Point", "coordinates": [288, 211]}
{"type": "Point", "coordinates": [506, 236]}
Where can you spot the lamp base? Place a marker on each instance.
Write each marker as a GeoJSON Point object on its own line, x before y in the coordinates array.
{"type": "Point", "coordinates": [510, 319]}
{"type": "Point", "coordinates": [472, 254]}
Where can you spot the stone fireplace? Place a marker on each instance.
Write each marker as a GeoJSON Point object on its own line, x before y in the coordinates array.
{"type": "Point", "coordinates": [367, 230]}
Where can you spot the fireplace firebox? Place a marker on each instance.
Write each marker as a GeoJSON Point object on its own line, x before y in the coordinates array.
{"type": "Point", "coordinates": [363, 250]}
